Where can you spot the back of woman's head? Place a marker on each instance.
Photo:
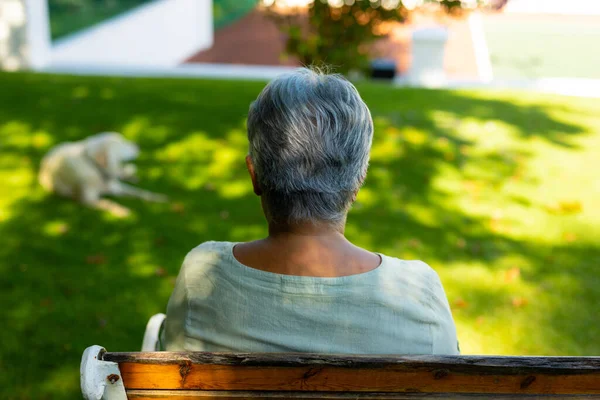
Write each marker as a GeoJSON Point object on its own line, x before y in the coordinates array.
{"type": "Point", "coordinates": [310, 134]}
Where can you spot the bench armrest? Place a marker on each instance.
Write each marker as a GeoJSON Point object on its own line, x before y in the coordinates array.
{"type": "Point", "coordinates": [151, 335]}
{"type": "Point", "coordinates": [100, 379]}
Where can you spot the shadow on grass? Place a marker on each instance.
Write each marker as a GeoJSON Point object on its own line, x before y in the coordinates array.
{"type": "Point", "coordinates": [74, 277]}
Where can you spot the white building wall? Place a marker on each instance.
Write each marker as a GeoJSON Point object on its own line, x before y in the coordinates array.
{"type": "Point", "coordinates": [559, 7]}
{"type": "Point", "coordinates": [159, 34]}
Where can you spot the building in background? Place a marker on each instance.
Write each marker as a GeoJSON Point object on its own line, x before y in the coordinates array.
{"type": "Point", "coordinates": [520, 43]}
{"type": "Point", "coordinates": [102, 33]}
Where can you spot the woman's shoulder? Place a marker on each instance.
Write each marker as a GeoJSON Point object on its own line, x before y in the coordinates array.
{"type": "Point", "coordinates": [208, 254]}
{"type": "Point", "coordinates": [408, 267]}
{"type": "Point", "coordinates": [210, 246]}
{"type": "Point", "coordinates": [420, 276]}
{"type": "Point", "coordinates": [414, 272]}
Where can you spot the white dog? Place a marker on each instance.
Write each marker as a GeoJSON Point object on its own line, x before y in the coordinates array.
{"type": "Point", "coordinates": [91, 168]}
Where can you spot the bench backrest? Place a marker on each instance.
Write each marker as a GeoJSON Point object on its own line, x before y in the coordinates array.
{"type": "Point", "coordinates": [218, 375]}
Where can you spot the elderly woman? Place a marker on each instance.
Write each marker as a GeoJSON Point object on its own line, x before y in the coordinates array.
{"type": "Point", "coordinates": [305, 287]}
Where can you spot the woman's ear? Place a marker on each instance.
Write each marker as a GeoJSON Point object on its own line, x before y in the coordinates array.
{"type": "Point", "coordinates": [255, 185]}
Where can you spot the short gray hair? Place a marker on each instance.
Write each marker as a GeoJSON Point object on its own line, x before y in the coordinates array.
{"type": "Point", "coordinates": [310, 134]}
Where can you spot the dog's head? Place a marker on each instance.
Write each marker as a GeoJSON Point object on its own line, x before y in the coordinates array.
{"type": "Point", "coordinates": [125, 149]}
{"type": "Point", "coordinates": [110, 150]}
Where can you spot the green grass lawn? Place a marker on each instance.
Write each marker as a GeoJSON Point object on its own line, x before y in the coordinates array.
{"type": "Point", "coordinates": [497, 191]}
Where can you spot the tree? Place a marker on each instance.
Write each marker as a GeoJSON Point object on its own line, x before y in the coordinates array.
{"type": "Point", "coordinates": [339, 32]}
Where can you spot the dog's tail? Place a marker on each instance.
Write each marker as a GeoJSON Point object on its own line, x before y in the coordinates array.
{"type": "Point", "coordinates": [45, 175]}
{"type": "Point", "coordinates": [49, 166]}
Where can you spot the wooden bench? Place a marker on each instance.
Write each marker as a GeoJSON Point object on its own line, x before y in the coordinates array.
{"type": "Point", "coordinates": [161, 375]}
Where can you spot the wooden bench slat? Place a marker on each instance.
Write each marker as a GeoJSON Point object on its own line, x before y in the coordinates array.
{"type": "Point", "coordinates": [214, 377]}
{"type": "Point", "coordinates": [390, 374]}
{"type": "Point", "coordinates": [342, 360]}
{"type": "Point", "coordinates": [229, 395]}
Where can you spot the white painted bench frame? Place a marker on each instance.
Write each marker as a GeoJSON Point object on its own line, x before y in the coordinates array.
{"type": "Point", "coordinates": [102, 379]}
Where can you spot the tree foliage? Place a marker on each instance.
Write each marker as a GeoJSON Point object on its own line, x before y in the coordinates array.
{"type": "Point", "coordinates": [338, 33]}
{"type": "Point", "coordinates": [91, 5]}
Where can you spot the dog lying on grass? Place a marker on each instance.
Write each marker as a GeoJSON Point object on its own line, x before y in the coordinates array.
{"type": "Point", "coordinates": [94, 167]}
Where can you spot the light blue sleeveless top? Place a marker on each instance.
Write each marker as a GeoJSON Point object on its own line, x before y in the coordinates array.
{"type": "Point", "coordinates": [221, 305]}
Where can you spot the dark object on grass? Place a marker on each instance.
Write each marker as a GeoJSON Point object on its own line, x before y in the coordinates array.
{"type": "Point", "coordinates": [383, 69]}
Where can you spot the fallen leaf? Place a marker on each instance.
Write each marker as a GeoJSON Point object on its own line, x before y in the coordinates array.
{"type": "Point", "coordinates": [160, 271]}
{"type": "Point", "coordinates": [512, 274]}
{"type": "Point", "coordinates": [62, 228]}
{"type": "Point", "coordinates": [565, 207]}
{"type": "Point", "coordinates": [46, 303]}
{"type": "Point", "coordinates": [414, 243]}
{"type": "Point", "coordinates": [472, 187]}
{"type": "Point", "coordinates": [552, 208]}
{"type": "Point", "coordinates": [518, 302]}
{"type": "Point", "coordinates": [571, 207]}
{"type": "Point", "coordinates": [393, 132]}
{"type": "Point", "coordinates": [460, 303]}
{"type": "Point", "coordinates": [95, 259]}
{"type": "Point", "coordinates": [414, 136]}
{"type": "Point", "coordinates": [496, 225]}
{"type": "Point", "coordinates": [178, 208]}
{"type": "Point", "coordinates": [443, 142]}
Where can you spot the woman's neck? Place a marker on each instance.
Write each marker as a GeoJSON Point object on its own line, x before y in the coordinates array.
{"type": "Point", "coordinates": [306, 249]}
{"type": "Point", "coordinates": [304, 229]}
